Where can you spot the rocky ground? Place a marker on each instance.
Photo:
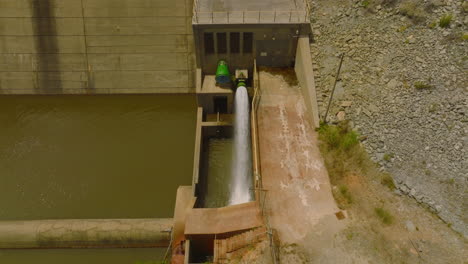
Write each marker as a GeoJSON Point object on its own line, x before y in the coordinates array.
{"type": "Point", "coordinates": [404, 85]}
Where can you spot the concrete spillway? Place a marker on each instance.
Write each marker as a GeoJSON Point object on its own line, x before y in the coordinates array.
{"type": "Point", "coordinates": [85, 233]}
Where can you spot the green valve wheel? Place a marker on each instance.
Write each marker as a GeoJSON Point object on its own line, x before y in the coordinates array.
{"type": "Point", "coordinates": [222, 73]}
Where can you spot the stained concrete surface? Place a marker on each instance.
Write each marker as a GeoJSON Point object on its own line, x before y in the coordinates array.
{"type": "Point", "coordinates": [210, 221]}
{"type": "Point", "coordinates": [299, 199]}
{"type": "Point", "coordinates": [305, 76]}
{"type": "Point", "coordinates": [76, 233]}
{"type": "Point", "coordinates": [96, 46]}
{"type": "Point", "coordinates": [250, 12]}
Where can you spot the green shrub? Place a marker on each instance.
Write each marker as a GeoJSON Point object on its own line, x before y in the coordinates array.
{"type": "Point", "coordinates": [413, 11]}
{"type": "Point", "coordinates": [445, 20]}
{"type": "Point", "coordinates": [365, 3]}
{"type": "Point", "coordinates": [387, 180]}
{"type": "Point", "coordinates": [408, 9]}
{"type": "Point", "coordinates": [384, 215]}
{"type": "Point", "coordinates": [464, 36]}
{"type": "Point", "coordinates": [349, 140]}
{"type": "Point", "coordinates": [434, 107]}
{"type": "Point", "coordinates": [388, 157]}
{"type": "Point", "coordinates": [338, 137]}
{"type": "Point", "coordinates": [419, 85]}
{"type": "Point", "coordinates": [330, 135]}
{"type": "Point", "coordinates": [342, 196]}
{"type": "Point", "coordinates": [346, 194]}
{"type": "Point", "coordinates": [402, 28]}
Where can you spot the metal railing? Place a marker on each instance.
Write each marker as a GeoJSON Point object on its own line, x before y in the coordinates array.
{"type": "Point", "coordinates": [254, 129]}
{"type": "Point", "coordinates": [251, 17]}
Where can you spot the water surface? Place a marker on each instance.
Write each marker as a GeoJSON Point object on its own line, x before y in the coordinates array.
{"type": "Point", "coordinates": [83, 256]}
{"type": "Point", "coordinates": [94, 156]}
{"type": "Point", "coordinates": [216, 180]}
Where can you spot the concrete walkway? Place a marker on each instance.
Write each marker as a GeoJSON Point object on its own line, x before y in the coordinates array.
{"type": "Point", "coordinates": [299, 199]}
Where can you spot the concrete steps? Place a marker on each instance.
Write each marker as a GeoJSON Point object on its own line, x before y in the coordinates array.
{"type": "Point", "coordinates": [223, 247]}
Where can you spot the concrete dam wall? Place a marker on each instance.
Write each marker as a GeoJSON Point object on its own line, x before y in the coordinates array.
{"type": "Point", "coordinates": [96, 46]}
{"type": "Point", "coordinates": [85, 233]}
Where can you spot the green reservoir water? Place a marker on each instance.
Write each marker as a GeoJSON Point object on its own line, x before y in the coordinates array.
{"type": "Point", "coordinates": [217, 180]}
{"type": "Point", "coordinates": [82, 256]}
{"type": "Point", "coordinates": [94, 156]}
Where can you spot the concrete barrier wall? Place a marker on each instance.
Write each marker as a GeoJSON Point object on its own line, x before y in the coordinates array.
{"type": "Point", "coordinates": [81, 233]}
{"type": "Point", "coordinates": [96, 46]}
{"type": "Point", "coordinates": [305, 75]}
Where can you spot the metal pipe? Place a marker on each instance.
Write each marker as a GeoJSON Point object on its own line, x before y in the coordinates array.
{"type": "Point", "coordinates": [334, 86]}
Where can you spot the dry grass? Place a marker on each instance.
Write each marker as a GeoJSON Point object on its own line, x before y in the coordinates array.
{"type": "Point", "coordinates": [384, 215]}
{"type": "Point", "coordinates": [341, 150]}
{"type": "Point", "coordinates": [413, 10]}
{"type": "Point", "coordinates": [445, 21]}
{"type": "Point", "coordinates": [419, 85]}
{"type": "Point", "coordinates": [387, 180]}
{"type": "Point", "coordinates": [344, 156]}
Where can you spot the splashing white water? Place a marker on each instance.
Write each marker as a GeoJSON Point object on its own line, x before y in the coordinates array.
{"type": "Point", "coordinates": [242, 159]}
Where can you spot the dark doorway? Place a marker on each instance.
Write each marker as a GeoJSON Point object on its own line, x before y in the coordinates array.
{"type": "Point", "coordinates": [209, 43]}
{"type": "Point", "coordinates": [248, 42]}
{"type": "Point", "coordinates": [220, 104]}
{"type": "Point", "coordinates": [222, 43]}
{"type": "Point", "coordinates": [234, 41]}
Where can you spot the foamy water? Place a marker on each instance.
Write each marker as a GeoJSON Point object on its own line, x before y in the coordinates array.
{"type": "Point", "coordinates": [242, 159]}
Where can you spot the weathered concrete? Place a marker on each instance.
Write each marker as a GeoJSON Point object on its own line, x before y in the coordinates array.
{"type": "Point", "coordinates": [243, 31]}
{"type": "Point", "coordinates": [250, 12]}
{"type": "Point", "coordinates": [298, 197]}
{"type": "Point", "coordinates": [210, 221]}
{"type": "Point", "coordinates": [305, 75]}
{"type": "Point", "coordinates": [197, 150]}
{"type": "Point", "coordinates": [184, 203]}
{"type": "Point", "coordinates": [96, 46]}
{"type": "Point", "coordinates": [85, 233]}
{"type": "Point", "coordinates": [273, 45]}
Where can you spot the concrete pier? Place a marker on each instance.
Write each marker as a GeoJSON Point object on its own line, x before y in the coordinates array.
{"type": "Point", "coordinates": [85, 233]}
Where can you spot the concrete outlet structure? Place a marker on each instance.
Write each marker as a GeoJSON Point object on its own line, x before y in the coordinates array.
{"type": "Point", "coordinates": [156, 46]}
{"type": "Point", "coordinates": [245, 34]}
{"type": "Point", "coordinates": [241, 31]}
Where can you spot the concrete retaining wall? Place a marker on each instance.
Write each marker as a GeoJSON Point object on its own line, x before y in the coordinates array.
{"type": "Point", "coordinates": [96, 46]}
{"type": "Point", "coordinates": [81, 233]}
{"type": "Point", "coordinates": [305, 75]}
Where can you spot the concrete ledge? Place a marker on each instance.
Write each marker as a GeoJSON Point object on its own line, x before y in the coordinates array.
{"type": "Point", "coordinates": [85, 233]}
{"type": "Point", "coordinates": [98, 91]}
{"type": "Point", "coordinates": [184, 202]}
{"type": "Point", "coordinates": [305, 75]}
{"type": "Point", "coordinates": [211, 221]}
